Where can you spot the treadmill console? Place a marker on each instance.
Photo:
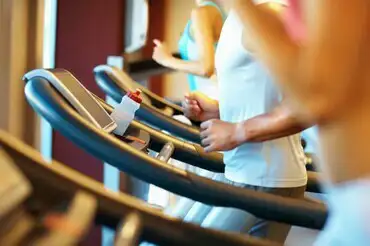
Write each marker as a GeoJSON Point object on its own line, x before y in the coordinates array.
{"type": "Point", "coordinates": [77, 95]}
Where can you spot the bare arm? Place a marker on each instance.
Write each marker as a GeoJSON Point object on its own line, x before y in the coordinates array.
{"type": "Point", "coordinates": [319, 73]}
{"type": "Point", "coordinates": [281, 122]}
{"type": "Point", "coordinates": [203, 30]}
{"type": "Point", "coordinates": [218, 135]}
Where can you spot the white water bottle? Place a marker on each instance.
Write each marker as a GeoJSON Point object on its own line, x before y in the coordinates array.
{"type": "Point", "coordinates": [124, 112]}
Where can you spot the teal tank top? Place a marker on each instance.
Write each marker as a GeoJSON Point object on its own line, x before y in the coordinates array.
{"type": "Point", "coordinates": [189, 51]}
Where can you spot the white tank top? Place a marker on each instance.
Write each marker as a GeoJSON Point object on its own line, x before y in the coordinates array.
{"type": "Point", "coordinates": [245, 91]}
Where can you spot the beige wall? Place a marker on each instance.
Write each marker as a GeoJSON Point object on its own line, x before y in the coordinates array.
{"type": "Point", "coordinates": [177, 15]}
{"type": "Point", "coordinates": [20, 50]}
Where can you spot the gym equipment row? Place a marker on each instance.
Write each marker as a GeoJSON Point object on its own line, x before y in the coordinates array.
{"type": "Point", "coordinates": [41, 93]}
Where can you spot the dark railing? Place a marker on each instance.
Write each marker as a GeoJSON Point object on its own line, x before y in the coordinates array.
{"type": "Point", "coordinates": [141, 69]}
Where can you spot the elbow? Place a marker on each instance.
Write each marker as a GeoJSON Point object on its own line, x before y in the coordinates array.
{"type": "Point", "coordinates": [207, 71]}
{"type": "Point", "coordinates": [295, 124]}
{"type": "Point", "coordinates": [322, 112]}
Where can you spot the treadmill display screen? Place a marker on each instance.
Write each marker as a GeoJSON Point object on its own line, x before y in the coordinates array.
{"type": "Point", "coordinates": [85, 104]}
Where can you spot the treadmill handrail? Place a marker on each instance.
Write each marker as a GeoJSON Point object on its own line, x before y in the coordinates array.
{"type": "Point", "coordinates": [63, 118]}
{"type": "Point", "coordinates": [57, 178]}
{"type": "Point", "coordinates": [119, 73]}
{"type": "Point", "coordinates": [106, 79]}
{"type": "Point", "coordinates": [184, 151]}
{"type": "Point", "coordinates": [146, 66]}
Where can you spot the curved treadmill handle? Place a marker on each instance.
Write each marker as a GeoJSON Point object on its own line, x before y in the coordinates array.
{"type": "Point", "coordinates": [104, 146]}
{"type": "Point", "coordinates": [110, 76]}
{"type": "Point", "coordinates": [148, 113]}
{"type": "Point", "coordinates": [155, 117]}
{"type": "Point", "coordinates": [157, 100]}
{"type": "Point", "coordinates": [184, 151]}
{"type": "Point", "coordinates": [109, 88]}
{"type": "Point", "coordinates": [162, 102]}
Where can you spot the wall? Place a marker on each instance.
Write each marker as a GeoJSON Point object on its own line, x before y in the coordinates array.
{"type": "Point", "coordinates": [157, 27]}
{"type": "Point", "coordinates": [20, 51]}
{"type": "Point", "coordinates": [87, 32]}
{"type": "Point", "coordinates": [177, 15]}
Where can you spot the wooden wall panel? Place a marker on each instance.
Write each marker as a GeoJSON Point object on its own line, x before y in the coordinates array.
{"type": "Point", "coordinates": [157, 26]}
{"type": "Point", "coordinates": [88, 31]}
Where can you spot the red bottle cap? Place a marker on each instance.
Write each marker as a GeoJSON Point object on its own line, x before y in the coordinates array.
{"type": "Point", "coordinates": [135, 96]}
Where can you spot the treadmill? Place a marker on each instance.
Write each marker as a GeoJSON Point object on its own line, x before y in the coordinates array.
{"type": "Point", "coordinates": [154, 109]}
{"type": "Point", "coordinates": [210, 165]}
{"type": "Point", "coordinates": [45, 91]}
{"type": "Point", "coordinates": [47, 203]}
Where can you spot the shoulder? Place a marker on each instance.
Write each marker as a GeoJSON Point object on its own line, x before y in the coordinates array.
{"type": "Point", "coordinates": [277, 2]}
{"type": "Point", "coordinates": [204, 12]}
{"type": "Point", "coordinates": [275, 6]}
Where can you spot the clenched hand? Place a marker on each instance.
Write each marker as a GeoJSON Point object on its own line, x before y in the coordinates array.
{"type": "Point", "coordinates": [218, 135]}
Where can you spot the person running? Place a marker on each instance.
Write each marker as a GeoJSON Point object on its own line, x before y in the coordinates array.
{"type": "Point", "coordinates": [323, 65]}
{"type": "Point", "coordinates": [197, 47]}
{"type": "Point", "coordinates": [251, 123]}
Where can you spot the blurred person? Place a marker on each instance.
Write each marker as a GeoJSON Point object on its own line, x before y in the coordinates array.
{"type": "Point", "coordinates": [197, 47]}
{"type": "Point", "coordinates": [321, 59]}
{"type": "Point", "coordinates": [254, 127]}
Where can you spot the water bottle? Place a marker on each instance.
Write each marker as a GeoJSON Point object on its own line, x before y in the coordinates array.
{"type": "Point", "coordinates": [124, 112]}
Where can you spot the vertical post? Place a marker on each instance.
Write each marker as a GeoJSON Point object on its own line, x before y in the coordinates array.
{"type": "Point", "coordinates": [49, 42]}
{"type": "Point", "coordinates": [157, 15]}
{"type": "Point", "coordinates": [111, 176]}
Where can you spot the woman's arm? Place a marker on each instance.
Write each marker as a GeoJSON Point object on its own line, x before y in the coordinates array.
{"type": "Point", "coordinates": [281, 122]}
{"type": "Point", "coordinates": [319, 73]}
{"type": "Point", "coordinates": [203, 31]}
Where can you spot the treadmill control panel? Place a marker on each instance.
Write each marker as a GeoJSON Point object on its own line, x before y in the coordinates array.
{"type": "Point", "coordinates": [77, 95]}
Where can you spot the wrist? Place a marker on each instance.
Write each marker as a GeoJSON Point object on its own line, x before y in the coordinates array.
{"type": "Point", "coordinates": [217, 114]}
{"type": "Point", "coordinates": [215, 107]}
{"type": "Point", "coordinates": [243, 132]}
{"type": "Point", "coordinates": [213, 116]}
{"type": "Point", "coordinates": [209, 116]}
